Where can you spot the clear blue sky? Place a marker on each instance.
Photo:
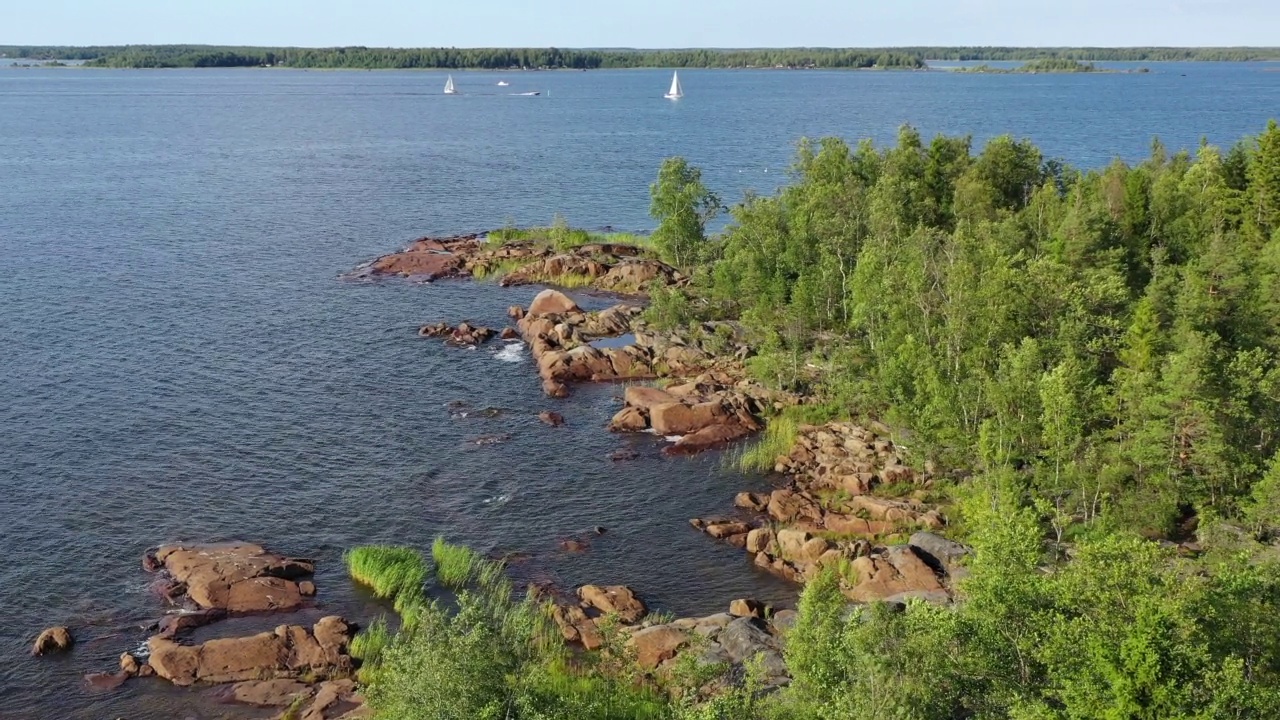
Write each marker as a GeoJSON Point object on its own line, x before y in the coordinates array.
{"type": "Point", "coordinates": [649, 24]}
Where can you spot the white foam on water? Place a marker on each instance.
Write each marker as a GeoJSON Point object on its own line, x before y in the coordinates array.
{"type": "Point", "coordinates": [672, 438]}
{"type": "Point", "coordinates": [512, 353]}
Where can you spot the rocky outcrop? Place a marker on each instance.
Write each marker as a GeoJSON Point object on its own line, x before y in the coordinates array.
{"type": "Point", "coordinates": [291, 651]}
{"type": "Point", "coordinates": [551, 302]}
{"type": "Point", "coordinates": [425, 259]}
{"type": "Point", "coordinates": [577, 618]}
{"type": "Point", "coordinates": [464, 335]}
{"type": "Point", "coordinates": [720, 639]}
{"type": "Point", "coordinates": [617, 600]}
{"type": "Point", "coordinates": [235, 577]}
{"type": "Point", "coordinates": [53, 640]}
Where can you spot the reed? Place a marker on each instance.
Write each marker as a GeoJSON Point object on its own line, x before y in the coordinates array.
{"type": "Point", "coordinates": [456, 565]}
{"type": "Point", "coordinates": [778, 438]}
{"type": "Point", "coordinates": [391, 571]}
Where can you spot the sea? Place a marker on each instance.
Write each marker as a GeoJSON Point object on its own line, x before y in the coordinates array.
{"type": "Point", "coordinates": [181, 360]}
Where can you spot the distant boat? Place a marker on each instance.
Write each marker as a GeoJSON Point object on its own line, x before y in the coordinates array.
{"type": "Point", "coordinates": [528, 94]}
{"type": "Point", "coordinates": [675, 93]}
{"type": "Point", "coordinates": [503, 83]}
{"type": "Point", "coordinates": [449, 89]}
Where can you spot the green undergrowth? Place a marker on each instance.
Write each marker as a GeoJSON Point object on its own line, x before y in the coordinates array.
{"type": "Point", "coordinates": [568, 281]}
{"type": "Point", "coordinates": [368, 647]}
{"type": "Point", "coordinates": [389, 570]}
{"type": "Point", "coordinates": [780, 435]}
{"type": "Point", "coordinates": [498, 270]}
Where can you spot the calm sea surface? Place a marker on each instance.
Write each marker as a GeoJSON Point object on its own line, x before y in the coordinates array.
{"type": "Point", "coordinates": [178, 360]}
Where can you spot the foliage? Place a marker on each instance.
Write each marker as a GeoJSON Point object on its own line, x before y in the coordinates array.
{"type": "Point", "coordinates": [683, 206]}
{"type": "Point", "coordinates": [389, 570]}
{"type": "Point", "coordinates": [368, 645]}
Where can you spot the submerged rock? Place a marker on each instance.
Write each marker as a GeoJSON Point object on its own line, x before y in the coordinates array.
{"type": "Point", "coordinates": [552, 418]}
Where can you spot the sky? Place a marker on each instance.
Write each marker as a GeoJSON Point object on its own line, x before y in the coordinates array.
{"type": "Point", "coordinates": [641, 23]}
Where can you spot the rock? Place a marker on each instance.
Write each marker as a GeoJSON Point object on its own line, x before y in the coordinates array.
{"type": "Point", "coordinates": [712, 624]}
{"type": "Point", "coordinates": [850, 525]}
{"type": "Point", "coordinates": [645, 398]}
{"type": "Point", "coordinates": [53, 640]}
{"type": "Point", "coordinates": [784, 620]}
{"type": "Point", "coordinates": [791, 543]}
{"type": "Point", "coordinates": [617, 599]}
{"type": "Point", "coordinates": [743, 638]}
{"type": "Point", "coordinates": [721, 530]}
{"type": "Point", "coordinates": [936, 550]}
{"type": "Point", "coordinates": [509, 333]}
{"type": "Point", "coordinates": [554, 389]}
{"type": "Point", "coordinates": [267, 693]}
{"type": "Point", "coordinates": [554, 419]}
{"type": "Point", "coordinates": [236, 577]}
{"type": "Point", "coordinates": [898, 570]}
{"type": "Point", "coordinates": [291, 651]}
{"type": "Point", "coordinates": [623, 455]}
{"type": "Point", "coordinates": [574, 545]}
{"type": "Point", "coordinates": [129, 664]}
{"type": "Point", "coordinates": [629, 419]}
{"type": "Point", "coordinates": [171, 625]}
{"type": "Point", "coordinates": [707, 438]}
{"type": "Point", "coordinates": [674, 418]}
{"type": "Point", "coordinates": [813, 549]}
{"type": "Point", "coordinates": [751, 501]}
{"type": "Point", "coordinates": [759, 540]}
{"type": "Point", "coordinates": [656, 644]}
{"type": "Point", "coordinates": [575, 626]}
{"type": "Point", "coordinates": [422, 265]}
{"type": "Point", "coordinates": [552, 302]}
{"type": "Point", "coordinates": [787, 506]}
{"type": "Point", "coordinates": [515, 312]}
{"type": "Point", "coordinates": [307, 588]}
{"type": "Point", "coordinates": [747, 608]}
{"type": "Point", "coordinates": [106, 681]}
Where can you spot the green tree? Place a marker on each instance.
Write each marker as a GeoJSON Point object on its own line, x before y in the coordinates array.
{"type": "Point", "coordinates": [683, 206]}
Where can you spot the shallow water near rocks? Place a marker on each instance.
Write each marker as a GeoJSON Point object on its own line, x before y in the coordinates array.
{"type": "Point", "coordinates": [181, 362]}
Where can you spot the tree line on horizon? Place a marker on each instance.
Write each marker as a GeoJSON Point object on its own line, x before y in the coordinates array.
{"type": "Point", "coordinates": [165, 56]}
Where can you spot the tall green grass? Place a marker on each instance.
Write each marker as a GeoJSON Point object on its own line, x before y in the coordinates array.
{"type": "Point", "coordinates": [498, 270]}
{"type": "Point", "coordinates": [761, 455]}
{"type": "Point", "coordinates": [368, 647]}
{"type": "Point", "coordinates": [456, 565]}
{"type": "Point", "coordinates": [389, 570]}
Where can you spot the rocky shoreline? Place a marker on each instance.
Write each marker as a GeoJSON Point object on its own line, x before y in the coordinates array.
{"type": "Point", "coordinates": [848, 500]}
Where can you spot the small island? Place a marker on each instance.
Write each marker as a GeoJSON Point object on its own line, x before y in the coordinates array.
{"type": "Point", "coordinates": [1045, 65]}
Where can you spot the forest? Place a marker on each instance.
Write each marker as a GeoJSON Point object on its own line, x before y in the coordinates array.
{"type": "Point", "coordinates": [1088, 360]}
{"type": "Point", "coordinates": [161, 56]}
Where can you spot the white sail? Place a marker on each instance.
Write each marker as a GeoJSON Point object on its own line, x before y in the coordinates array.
{"type": "Point", "coordinates": [675, 93]}
{"type": "Point", "coordinates": [448, 87]}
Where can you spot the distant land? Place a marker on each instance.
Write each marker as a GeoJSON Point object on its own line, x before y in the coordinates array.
{"type": "Point", "coordinates": [904, 58]}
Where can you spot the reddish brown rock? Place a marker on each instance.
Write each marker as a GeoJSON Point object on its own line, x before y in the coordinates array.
{"type": "Point", "coordinates": [897, 571]}
{"type": "Point", "coordinates": [267, 693]}
{"type": "Point", "coordinates": [291, 651]}
{"type": "Point", "coordinates": [657, 644]}
{"type": "Point", "coordinates": [721, 530]}
{"type": "Point", "coordinates": [617, 599]}
{"type": "Point", "coordinates": [426, 265]}
{"type": "Point", "coordinates": [509, 333]}
{"type": "Point", "coordinates": [552, 302]}
{"type": "Point", "coordinates": [675, 418]}
{"type": "Point", "coordinates": [759, 540]}
{"type": "Point", "coordinates": [554, 389]}
{"type": "Point", "coordinates": [576, 627]}
{"type": "Point", "coordinates": [747, 608]}
{"type": "Point", "coordinates": [706, 439]}
{"type": "Point", "coordinates": [787, 506]}
{"type": "Point", "coordinates": [645, 398]}
{"type": "Point", "coordinates": [53, 640]}
{"type": "Point", "coordinates": [629, 419]}
{"type": "Point", "coordinates": [751, 501]}
{"type": "Point", "coordinates": [236, 577]}
{"type": "Point", "coordinates": [552, 418]}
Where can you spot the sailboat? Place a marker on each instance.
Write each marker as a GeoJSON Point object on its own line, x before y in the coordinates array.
{"type": "Point", "coordinates": [675, 93]}
{"type": "Point", "coordinates": [449, 89]}
{"type": "Point", "coordinates": [503, 83]}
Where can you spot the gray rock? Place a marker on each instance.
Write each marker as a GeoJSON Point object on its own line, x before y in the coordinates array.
{"type": "Point", "coordinates": [937, 550]}
{"type": "Point", "coordinates": [937, 597]}
{"type": "Point", "coordinates": [712, 624]}
{"type": "Point", "coordinates": [744, 638]}
{"type": "Point", "coordinates": [784, 620]}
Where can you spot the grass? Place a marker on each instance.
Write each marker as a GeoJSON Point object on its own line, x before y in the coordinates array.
{"type": "Point", "coordinates": [391, 571]}
{"type": "Point", "coordinates": [456, 565]}
{"type": "Point", "coordinates": [499, 269]}
{"type": "Point", "coordinates": [294, 711]}
{"type": "Point", "coordinates": [368, 647]}
{"type": "Point", "coordinates": [778, 438]}
{"type": "Point", "coordinates": [568, 281]}
{"type": "Point", "coordinates": [846, 572]}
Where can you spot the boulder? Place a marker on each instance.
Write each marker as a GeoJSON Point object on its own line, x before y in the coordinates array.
{"type": "Point", "coordinates": [53, 640]}
{"type": "Point", "coordinates": [576, 627]}
{"type": "Point", "coordinates": [509, 333]}
{"type": "Point", "coordinates": [712, 624]}
{"type": "Point", "coordinates": [759, 540]}
{"type": "Point", "coordinates": [745, 637]}
{"type": "Point", "coordinates": [629, 419]}
{"type": "Point", "coordinates": [707, 438]}
{"type": "Point", "coordinates": [675, 418]}
{"type": "Point", "coordinates": [850, 525]}
{"type": "Point", "coordinates": [898, 570]}
{"type": "Point", "coordinates": [746, 607]}
{"type": "Point", "coordinates": [617, 599]}
{"type": "Point", "coordinates": [552, 302]}
{"type": "Point", "coordinates": [427, 265]}
{"type": "Point", "coordinates": [936, 550]}
{"type": "Point", "coordinates": [722, 530]}
{"type": "Point", "coordinates": [751, 501]}
{"type": "Point", "coordinates": [236, 577]}
{"type": "Point", "coordinates": [783, 620]}
{"type": "Point", "coordinates": [788, 506]}
{"type": "Point", "coordinates": [813, 549]}
{"type": "Point", "coordinates": [291, 651]}
{"type": "Point", "coordinates": [515, 312]}
{"type": "Point", "coordinates": [171, 625]}
{"type": "Point", "coordinates": [552, 418]}
{"type": "Point", "coordinates": [645, 398]}
{"type": "Point", "coordinates": [791, 543]}
{"type": "Point", "coordinates": [554, 389]}
{"type": "Point", "coordinates": [657, 644]}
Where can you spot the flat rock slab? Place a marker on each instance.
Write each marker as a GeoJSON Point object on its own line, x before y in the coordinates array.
{"type": "Point", "coordinates": [235, 577]}
{"type": "Point", "coordinates": [289, 652]}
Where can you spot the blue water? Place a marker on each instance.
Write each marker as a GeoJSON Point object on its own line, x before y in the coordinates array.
{"type": "Point", "coordinates": [178, 359]}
